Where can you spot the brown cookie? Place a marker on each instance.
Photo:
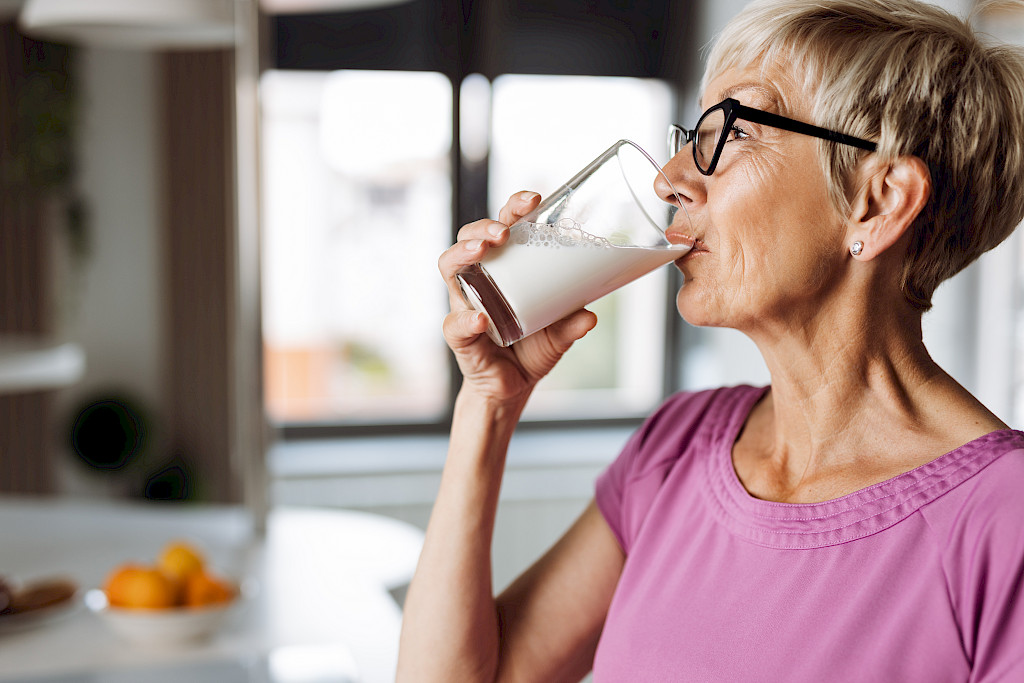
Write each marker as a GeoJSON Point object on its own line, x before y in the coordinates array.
{"type": "Point", "coordinates": [41, 593]}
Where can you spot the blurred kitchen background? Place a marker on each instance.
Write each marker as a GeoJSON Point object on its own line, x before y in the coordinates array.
{"type": "Point", "coordinates": [218, 256]}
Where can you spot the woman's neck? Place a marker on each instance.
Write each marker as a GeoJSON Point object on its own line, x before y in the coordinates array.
{"type": "Point", "coordinates": [855, 399]}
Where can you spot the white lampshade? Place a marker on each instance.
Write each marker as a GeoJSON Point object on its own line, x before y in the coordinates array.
{"type": "Point", "coordinates": [150, 24]}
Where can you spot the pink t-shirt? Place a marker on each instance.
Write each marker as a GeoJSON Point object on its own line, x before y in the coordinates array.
{"type": "Point", "coordinates": [915, 579]}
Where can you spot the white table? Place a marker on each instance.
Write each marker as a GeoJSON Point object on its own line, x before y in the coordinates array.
{"type": "Point", "coordinates": [322, 580]}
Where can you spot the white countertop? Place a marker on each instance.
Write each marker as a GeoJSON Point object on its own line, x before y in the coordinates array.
{"type": "Point", "coordinates": [321, 577]}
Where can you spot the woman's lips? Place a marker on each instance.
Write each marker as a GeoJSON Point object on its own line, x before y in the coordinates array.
{"type": "Point", "coordinates": [679, 238]}
{"type": "Point", "coordinates": [698, 248]}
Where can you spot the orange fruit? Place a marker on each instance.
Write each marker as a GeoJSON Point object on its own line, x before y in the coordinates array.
{"type": "Point", "coordinates": [203, 589]}
{"type": "Point", "coordinates": [140, 587]}
{"type": "Point", "coordinates": [179, 559]}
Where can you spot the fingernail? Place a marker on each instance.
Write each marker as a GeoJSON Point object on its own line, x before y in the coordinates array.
{"type": "Point", "coordinates": [527, 196]}
{"type": "Point", "coordinates": [496, 229]}
{"type": "Point", "coordinates": [474, 245]}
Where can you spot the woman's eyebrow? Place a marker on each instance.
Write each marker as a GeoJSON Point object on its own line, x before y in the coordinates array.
{"type": "Point", "coordinates": [770, 95]}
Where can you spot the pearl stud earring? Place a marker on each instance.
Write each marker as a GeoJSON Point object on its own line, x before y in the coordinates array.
{"type": "Point", "coordinates": [856, 248]}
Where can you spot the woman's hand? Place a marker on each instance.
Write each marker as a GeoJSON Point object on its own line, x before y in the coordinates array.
{"type": "Point", "coordinates": [488, 369]}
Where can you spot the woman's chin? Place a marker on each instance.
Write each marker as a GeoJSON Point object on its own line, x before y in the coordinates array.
{"type": "Point", "coordinates": [695, 310]}
{"type": "Point", "coordinates": [701, 321]}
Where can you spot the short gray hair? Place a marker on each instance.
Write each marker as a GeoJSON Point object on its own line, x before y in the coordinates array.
{"type": "Point", "coordinates": [920, 82]}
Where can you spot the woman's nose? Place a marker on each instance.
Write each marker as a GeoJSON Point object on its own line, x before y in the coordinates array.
{"type": "Point", "coordinates": [680, 177]}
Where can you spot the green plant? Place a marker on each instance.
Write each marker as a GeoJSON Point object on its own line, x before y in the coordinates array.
{"type": "Point", "coordinates": [39, 158]}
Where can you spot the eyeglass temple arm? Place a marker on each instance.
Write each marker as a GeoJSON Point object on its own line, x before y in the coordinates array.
{"type": "Point", "coordinates": [776, 121]}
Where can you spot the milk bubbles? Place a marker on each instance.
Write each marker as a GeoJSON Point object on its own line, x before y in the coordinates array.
{"type": "Point", "coordinates": [562, 233]}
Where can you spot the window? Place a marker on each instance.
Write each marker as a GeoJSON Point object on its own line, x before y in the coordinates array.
{"type": "Point", "coordinates": [357, 206]}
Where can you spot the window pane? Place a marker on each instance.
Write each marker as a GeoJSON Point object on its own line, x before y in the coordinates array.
{"type": "Point", "coordinates": [717, 356]}
{"type": "Point", "coordinates": [544, 130]}
{"type": "Point", "coordinates": [356, 208]}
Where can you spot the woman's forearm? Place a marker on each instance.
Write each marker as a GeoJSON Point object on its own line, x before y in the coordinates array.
{"type": "Point", "coordinates": [450, 625]}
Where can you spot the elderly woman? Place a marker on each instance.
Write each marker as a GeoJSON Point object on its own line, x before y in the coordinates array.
{"type": "Point", "coordinates": [859, 519]}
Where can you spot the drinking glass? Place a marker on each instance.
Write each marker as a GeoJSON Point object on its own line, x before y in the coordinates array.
{"type": "Point", "coordinates": [602, 229]}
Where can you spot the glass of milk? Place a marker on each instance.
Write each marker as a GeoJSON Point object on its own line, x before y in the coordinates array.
{"type": "Point", "coordinates": [601, 230]}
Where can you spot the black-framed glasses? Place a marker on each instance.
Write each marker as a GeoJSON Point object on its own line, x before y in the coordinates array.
{"type": "Point", "coordinates": [716, 124]}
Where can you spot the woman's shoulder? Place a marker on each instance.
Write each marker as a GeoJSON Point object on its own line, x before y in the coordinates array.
{"type": "Point", "coordinates": [686, 428]}
{"type": "Point", "coordinates": [998, 485]}
{"type": "Point", "coordinates": [709, 410]}
{"type": "Point", "coordinates": [691, 419]}
{"type": "Point", "coordinates": [986, 500]}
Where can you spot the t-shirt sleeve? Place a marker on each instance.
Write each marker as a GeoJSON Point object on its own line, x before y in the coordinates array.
{"type": "Point", "coordinates": [611, 486]}
{"type": "Point", "coordinates": [999, 605]}
{"type": "Point", "coordinates": [627, 489]}
{"type": "Point", "coordinates": [985, 569]}
{"type": "Point", "coordinates": [1001, 631]}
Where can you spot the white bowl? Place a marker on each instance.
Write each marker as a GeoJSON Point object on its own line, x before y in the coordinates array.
{"type": "Point", "coordinates": [173, 626]}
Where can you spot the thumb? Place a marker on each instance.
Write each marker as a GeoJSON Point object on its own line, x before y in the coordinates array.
{"type": "Point", "coordinates": [571, 328]}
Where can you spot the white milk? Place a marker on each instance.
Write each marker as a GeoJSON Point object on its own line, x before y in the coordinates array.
{"type": "Point", "coordinates": [546, 271]}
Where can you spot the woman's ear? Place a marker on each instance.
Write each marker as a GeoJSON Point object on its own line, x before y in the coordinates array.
{"type": "Point", "coordinates": [889, 199]}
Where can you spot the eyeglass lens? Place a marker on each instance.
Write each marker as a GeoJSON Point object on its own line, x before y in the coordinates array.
{"type": "Point", "coordinates": [709, 130]}
{"type": "Point", "coordinates": [676, 140]}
